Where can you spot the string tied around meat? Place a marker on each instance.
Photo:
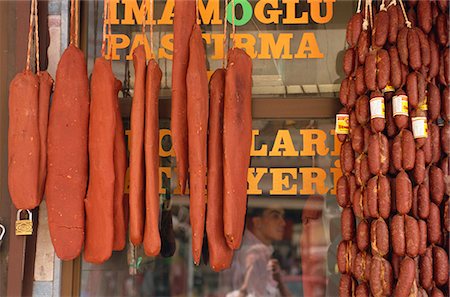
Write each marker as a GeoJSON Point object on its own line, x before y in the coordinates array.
{"type": "Point", "coordinates": [365, 24]}
{"type": "Point", "coordinates": [30, 35]}
{"type": "Point", "coordinates": [407, 22]}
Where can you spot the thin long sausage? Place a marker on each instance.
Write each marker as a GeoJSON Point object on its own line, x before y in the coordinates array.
{"type": "Point", "coordinates": [120, 169]}
{"type": "Point", "coordinates": [67, 154]}
{"type": "Point", "coordinates": [99, 201]}
{"type": "Point", "coordinates": [45, 89]}
{"type": "Point", "coordinates": [237, 139]}
{"type": "Point", "coordinates": [23, 141]}
{"type": "Point", "coordinates": [184, 19]}
{"type": "Point", "coordinates": [152, 240]}
{"type": "Point", "coordinates": [220, 254]}
{"type": "Point", "coordinates": [197, 115]}
{"type": "Point", "coordinates": [137, 149]}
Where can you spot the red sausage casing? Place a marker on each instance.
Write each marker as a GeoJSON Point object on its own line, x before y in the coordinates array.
{"type": "Point", "coordinates": [415, 60]}
{"type": "Point", "coordinates": [398, 235]}
{"type": "Point", "coordinates": [440, 266]}
{"type": "Point", "coordinates": [347, 224]}
{"type": "Point", "coordinates": [419, 167]}
{"type": "Point", "coordinates": [379, 237]}
{"type": "Point", "coordinates": [426, 269]}
{"type": "Point", "coordinates": [434, 59]}
{"type": "Point", "coordinates": [381, 277]}
{"type": "Point", "coordinates": [393, 24]}
{"type": "Point", "coordinates": [406, 277]}
{"type": "Point", "coordinates": [408, 150]}
{"type": "Point", "coordinates": [380, 29]}
{"type": "Point", "coordinates": [354, 27]}
{"type": "Point", "coordinates": [403, 196]}
{"type": "Point", "coordinates": [362, 290]}
{"type": "Point", "coordinates": [434, 224]}
{"type": "Point", "coordinates": [349, 61]}
{"type": "Point", "coordinates": [67, 161]}
{"type": "Point", "coordinates": [370, 70]}
{"type": "Point", "coordinates": [184, 19]}
{"type": "Point", "coordinates": [45, 89]}
{"type": "Point", "coordinates": [411, 236]}
{"type": "Point", "coordinates": [424, 17]}
{"type": "Point", "coordinates": [342, 186]}
{"type": "Point", "coordinates": [346, 286]}
{"type": "Point", "coordinates": [396, 76]}
{"type": "Point", "coordinates": [237, 139]}
{"type": "Point", "coordinates": [422, 236]}
{"type": "Point", "coordinates": [437, 185]}
{"type": "Point", "coordinates": [361, 266]}
{"type": "Point", "coordinates": [362, 235]}
{"type": "Point", "coordinates": [152, 239]}
{"type": "Point", "coordinates": [99, 201]}
{"type": "Point", "coordinates": [24, 141]}
{"type": "Point", "coordinates": [197, 115]}
{"type": "Point", "coordinates": [363, 46]}
{"type": "Point", "coordinates": [120, 169]}
{"type": "Point", "coordinates": [220, 254]}
{"type": "Point", "coordinates": [136, 191]}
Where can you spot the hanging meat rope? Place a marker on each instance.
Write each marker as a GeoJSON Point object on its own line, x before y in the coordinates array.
{"type": "Point", "coordinates": [197, 115]}
{"type": "Point", "coordinates": [24, 135]}
{"type": "Point", "coordinates": [220, 254]}
{"type": "Point", "coordinates": [136, 192]}
{"type": "Point", "coordinates": [184, 19]}
{"type": "Point", "coordinates": [99, 201]}
{"type": "Point", "coordinates": [237, 138]}
{"type": "Point", "coordinates": [67, 151]}
{"type": "Point", "coordinates": [152, 240]}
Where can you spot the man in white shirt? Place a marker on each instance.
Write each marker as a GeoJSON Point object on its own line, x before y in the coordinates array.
{"type": "Point", "coordinates": [254, 272]}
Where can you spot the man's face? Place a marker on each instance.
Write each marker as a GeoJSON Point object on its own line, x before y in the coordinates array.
{"type": "Point", "coordinates": [271, 224]}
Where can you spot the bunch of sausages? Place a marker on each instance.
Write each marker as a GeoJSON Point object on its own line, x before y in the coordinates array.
{"type": "Point", "coordinates": [86, 161]}
{"type": "Point", "coordinates": [105, 218]}
{"type": "Point", "coordinates": [29, 99]}
{"type": "Point", "coordinates": [211, 135]}
{"type": "Point", "coordinates": [28, 103]}
{"type": "Point", "coordinates": [144, 155]}
{"type": "Point", "coordinates": [395, 185]}
{"type": "Point", "coordinates": [83, 160]}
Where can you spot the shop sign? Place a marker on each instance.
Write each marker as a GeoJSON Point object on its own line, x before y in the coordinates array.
{"type": "Point", "coordinates": [284, 181]}
{"type": "Point", "coordinates": [261, 45]}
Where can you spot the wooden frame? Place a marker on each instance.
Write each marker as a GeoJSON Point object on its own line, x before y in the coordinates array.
{"type": "Point", "coordinates": [71, 277]}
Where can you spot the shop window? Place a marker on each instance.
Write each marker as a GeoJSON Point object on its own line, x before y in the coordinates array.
{"type": "Point", "coordinates": [293, 195]}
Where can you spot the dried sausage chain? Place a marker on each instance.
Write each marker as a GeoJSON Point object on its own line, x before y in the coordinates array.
{"type": "Point", "coordinates": [87, 156]}
{"type": "Point", "coordinates": [393, 181]}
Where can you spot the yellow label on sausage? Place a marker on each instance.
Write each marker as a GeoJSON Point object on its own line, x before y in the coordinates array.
{"type": "Point", "coordinates": [377, 108]}
{"type": "Point", "coordinates": [424, 105]}
{"type": "Point", "coordinates": [388, 88]}
{"type": "Point", "coordinates": [342, 123]}
{"type": "Point", "coordinates": [400, 105]}
{"type": "Point", "coordinates": [420, 127]}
